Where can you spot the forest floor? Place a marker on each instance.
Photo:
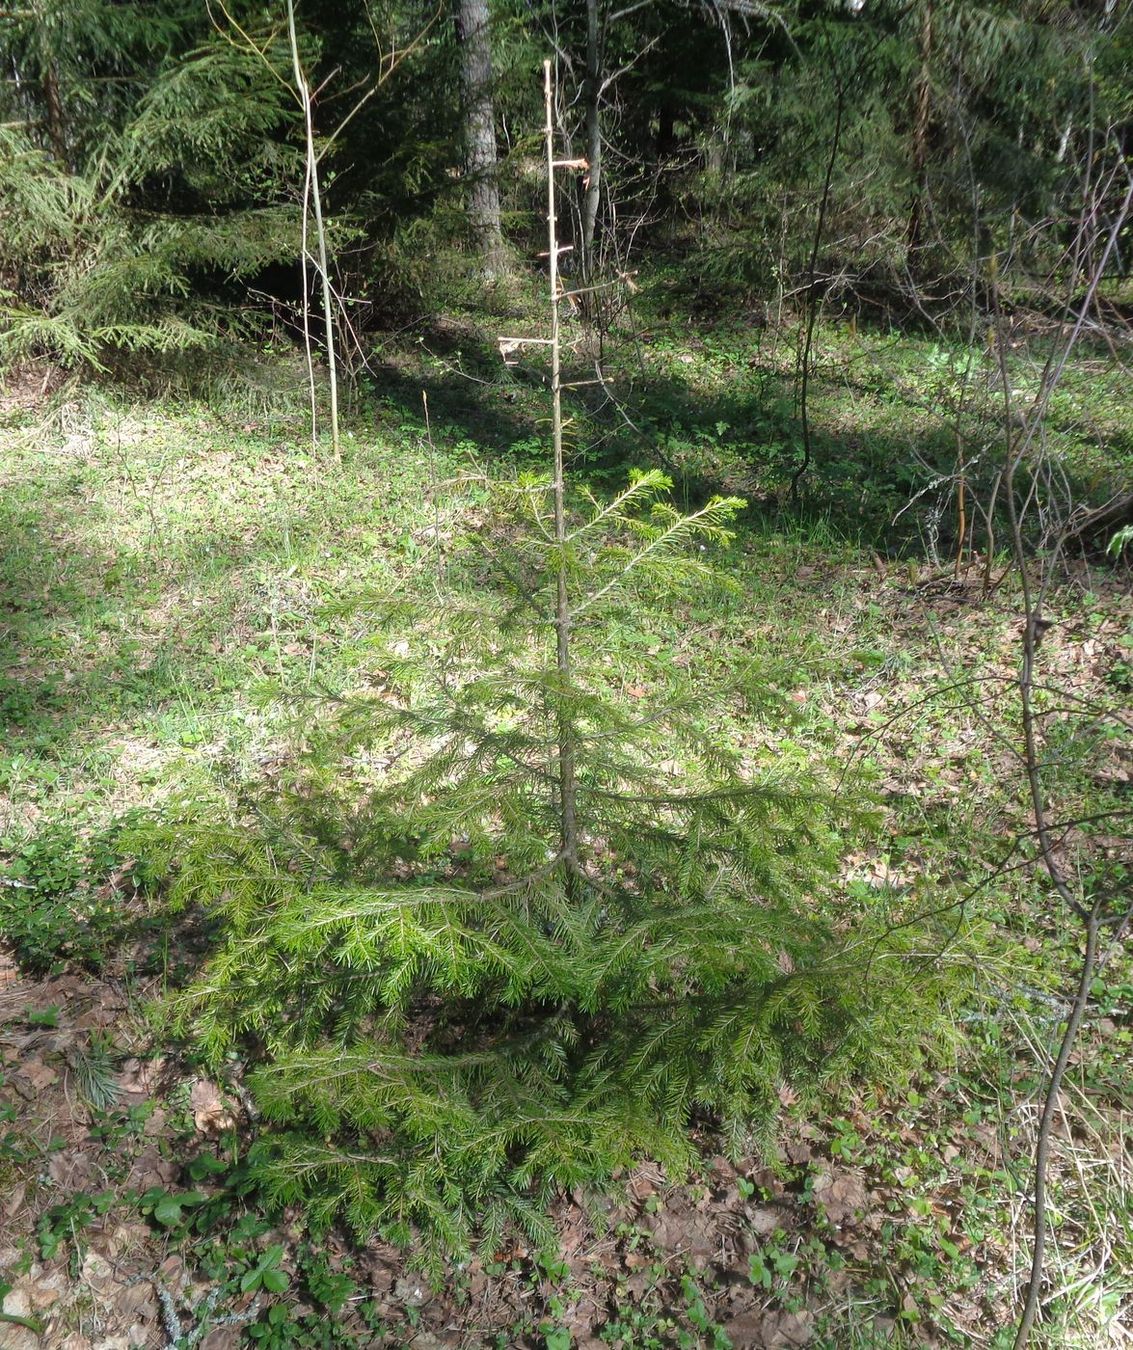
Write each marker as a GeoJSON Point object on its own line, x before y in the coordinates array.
{"type": "Point", "coordinates": [165, 564]}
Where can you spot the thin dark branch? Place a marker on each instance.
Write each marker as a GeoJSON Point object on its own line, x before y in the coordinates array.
{"type": "Point", "coordinates": [1050, 1106]}
{"type": "Point", "coordinates": [812, 299]}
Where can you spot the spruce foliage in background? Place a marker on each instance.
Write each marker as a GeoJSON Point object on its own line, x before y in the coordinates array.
{"type": "Point", "coordinates": [150, 172]}
{"type": "Point", "coordinates": [144, 168]}
{"type": "Point", "coordinates": [452, 1015]}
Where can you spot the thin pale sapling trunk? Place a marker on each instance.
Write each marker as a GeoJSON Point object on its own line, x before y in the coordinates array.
{"type": "Point", "coordinates": [593, 186]}
{"type": "Point", "coordinates": [567, 785]}
{"type": "Point", "coordinates": [313, 194]}
{"type": "Point", "coordinates": [304, 258]}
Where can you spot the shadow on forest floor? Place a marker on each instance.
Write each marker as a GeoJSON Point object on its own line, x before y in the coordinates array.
{"type": "Point", "coordinates": [719, 418]}
{"type": "Point", "coordinates": [743, 439]}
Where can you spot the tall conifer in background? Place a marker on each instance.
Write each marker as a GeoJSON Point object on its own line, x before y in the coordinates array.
{"type": "Point", "coordinates": [144, 165]}
{"type": "Point", "coordinates": [473, 25]}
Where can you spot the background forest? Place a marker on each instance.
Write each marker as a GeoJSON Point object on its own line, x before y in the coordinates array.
{"type": "Point", "coordinates": [567, 652]}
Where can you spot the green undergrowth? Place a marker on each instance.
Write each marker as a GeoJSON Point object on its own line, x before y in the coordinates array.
{"type": "Point", "coordinates": [187, 591]}
{"type": "Point", "coordinates": [897, 418]}
{"type": "Point", "coordinates": [62, 902]}
{"type": "Point", "coordinates": [161, 564]}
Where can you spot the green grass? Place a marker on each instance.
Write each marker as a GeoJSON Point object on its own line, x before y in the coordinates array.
{"type": "Point", "coordinates": [153, 580]}
{"type": "Point", "coordinates": [157, 575]}
{"type": "Point", "coordinates": [888, 409]}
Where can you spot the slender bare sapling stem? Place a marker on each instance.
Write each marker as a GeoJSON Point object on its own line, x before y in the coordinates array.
{"type": "Point", "coordinates": [1019, 445]}
{"type": "Point", "coordinates": [313, 194]}
{"type": "Point", "coordinates": [567, 787]}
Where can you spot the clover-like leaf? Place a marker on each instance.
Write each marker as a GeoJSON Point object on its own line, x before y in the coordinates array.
{"type": "Point", "coordinates": [167, 1209]}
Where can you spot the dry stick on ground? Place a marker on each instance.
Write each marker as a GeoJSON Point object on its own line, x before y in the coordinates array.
{"type": "Point", "coordinates": [1019, 444]}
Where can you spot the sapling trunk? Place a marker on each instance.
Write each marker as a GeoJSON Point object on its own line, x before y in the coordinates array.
{"type": "Point", "coordinates": [567, 789]}
{"type": "Point", "coordinates": [593, 188]}
{"type": "Point", "coordinates": [313, 194]}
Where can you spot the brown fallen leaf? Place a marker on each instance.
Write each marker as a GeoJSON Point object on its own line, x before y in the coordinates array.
{"type": "Point", "coordinates": [98, 1273]}
{"type": "Point", "coordinates": [722, 1167]}
{"type": "Point", "coordinates": [210, 1112]}
{"type": "Point", "coordinates": [151, 1169]}
{"type": "Point", "coordinates": [36, 1075]}
{"type": "Point", "coordinates": [136, 1301]}
{"type": "Point", "coordinates": [641, 1187]}
{"type": "Point", "coordinates": [787, 1329]}
{"type": "Point", "coordinates": [72, 1169]}
{"type": "Point", "coordinates": [44, 1288]}
{"type": "Point", "coordinates": [637, 1286]}
{"type": "Point", "coordinates": [15, 1199]}
{"type": "Point", "coordinates": [746, 1332]}
{"type": "Point", "coordinates": [840, 1195]}
{"type": "Point", "coordinates": [139, 1077]}
{"type": "Point", "coordinates": [763, 1222]}
{"type": "Point", "coordinates": [9, 971]}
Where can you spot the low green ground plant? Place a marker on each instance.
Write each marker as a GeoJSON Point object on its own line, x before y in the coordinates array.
{"type": "Point", "coordinates": [54, 906]}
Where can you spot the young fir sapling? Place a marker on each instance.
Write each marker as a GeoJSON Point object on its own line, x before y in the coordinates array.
{"type": "Point", "coordinates": [509, 933]}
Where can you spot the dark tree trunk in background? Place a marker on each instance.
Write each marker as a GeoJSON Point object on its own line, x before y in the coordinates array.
{"type": "Point", "coordinates": [54, 105]}
{"type": "Point", "coordinates": [922, 114]}
{"type": "Point", "coordinates": [55, 122]}
{"type": "Point", "coordinates": [480, 131]}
